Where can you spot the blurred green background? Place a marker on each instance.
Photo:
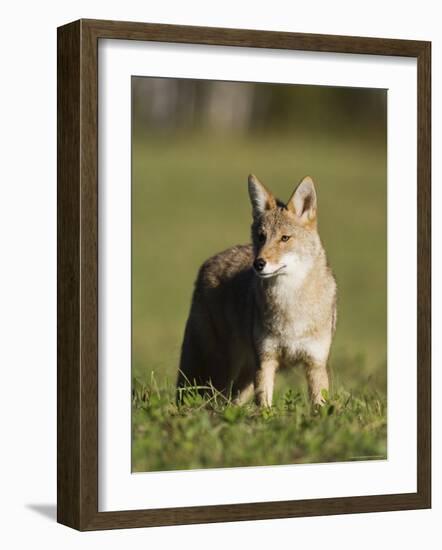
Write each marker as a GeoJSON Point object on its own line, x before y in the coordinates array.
{"type": "Point", "coordinates": [194, 144]}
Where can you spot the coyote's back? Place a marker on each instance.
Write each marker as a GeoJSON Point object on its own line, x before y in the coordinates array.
{"type": "Point", "coordinates": [218, 341]}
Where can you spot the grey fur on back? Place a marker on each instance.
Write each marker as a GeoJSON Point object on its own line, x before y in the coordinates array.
{"type": "Point", "coordinates": [218, 339]}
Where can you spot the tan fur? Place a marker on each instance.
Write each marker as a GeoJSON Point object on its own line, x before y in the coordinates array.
{"type": "Point", "coordinates": [245, 324]}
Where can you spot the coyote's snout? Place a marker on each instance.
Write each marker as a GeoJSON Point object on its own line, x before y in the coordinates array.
{"type": "Point", "coordinates": [264, 306]}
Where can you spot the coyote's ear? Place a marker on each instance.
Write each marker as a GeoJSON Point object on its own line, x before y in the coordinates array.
{"type": "Point", "coordinates": [303, 201]}
{"type": "Point", "coordinates": [260, 197]}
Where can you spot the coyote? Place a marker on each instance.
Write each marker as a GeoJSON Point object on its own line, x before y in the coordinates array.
{"type": "Point", "coordinates": [264, 306]}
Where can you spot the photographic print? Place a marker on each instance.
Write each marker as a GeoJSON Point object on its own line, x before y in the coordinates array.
{"type": "Point", "coordinates": [259, 274]}
{"type": "Point", "coordinates": [222, 281]}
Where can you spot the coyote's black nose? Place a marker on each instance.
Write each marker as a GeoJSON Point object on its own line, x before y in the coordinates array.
{"type": "Point", "coordinates": [259, 264]}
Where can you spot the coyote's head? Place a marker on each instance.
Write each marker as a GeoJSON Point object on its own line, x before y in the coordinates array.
{"type": "Point", "coordinates": [285, 237]}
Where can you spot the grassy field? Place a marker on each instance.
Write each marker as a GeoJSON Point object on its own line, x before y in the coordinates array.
{"type": "Point", "coordinates": [212, 432]}
{"type": "Point", "coordinates": [189, 202]}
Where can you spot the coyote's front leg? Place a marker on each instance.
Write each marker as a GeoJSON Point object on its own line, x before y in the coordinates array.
{"type": "Point", "coordinates": [317, 378]}
{"type": "Point", "coordinates": [264, 382]}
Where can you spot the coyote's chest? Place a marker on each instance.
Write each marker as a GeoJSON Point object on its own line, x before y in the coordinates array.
{"type": "Point", "coordinates": [289, 323]}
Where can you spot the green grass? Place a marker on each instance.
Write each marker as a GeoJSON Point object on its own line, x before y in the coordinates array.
{"type": "Point", "coordinates": [190, 201]}
{"type": "Point", "coordinates": [211, 432]}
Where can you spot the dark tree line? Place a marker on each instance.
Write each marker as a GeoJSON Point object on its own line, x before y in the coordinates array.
{"type": "Point", "coordinates": [170, 104]}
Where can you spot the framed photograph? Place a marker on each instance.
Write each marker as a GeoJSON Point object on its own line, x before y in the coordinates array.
{"type": "Point", "coordinates": [243, 274]}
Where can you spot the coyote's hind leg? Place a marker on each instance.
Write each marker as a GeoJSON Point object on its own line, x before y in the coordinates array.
{"type": "Point", "coordinates": [245, 394]}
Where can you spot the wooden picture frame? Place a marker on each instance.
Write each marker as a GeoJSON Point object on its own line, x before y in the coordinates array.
{"type": "Point", "coordinates": [77, 225]}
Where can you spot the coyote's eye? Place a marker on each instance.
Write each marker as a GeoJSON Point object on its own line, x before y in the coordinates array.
{"type": "Point", "coordinates": [285, 238]}
{"type": "Point", "coordinates": [261, 237]}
